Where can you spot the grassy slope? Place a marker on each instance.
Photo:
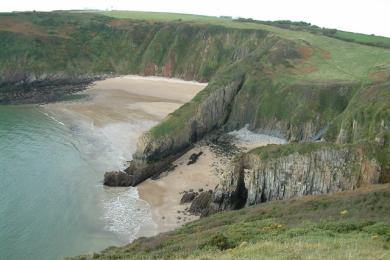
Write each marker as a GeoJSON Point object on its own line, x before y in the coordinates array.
{"type": "Point", "coordinates": [359, 37]}
{"type": "Point", "coordinates": [352, 225]}
{"type": "Point", "coordinates": [348, 60]}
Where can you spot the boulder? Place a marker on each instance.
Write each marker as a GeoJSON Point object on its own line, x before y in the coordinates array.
{"type": "Point", "coordinates": [117, 179]}
{"type": "Point", "coordinates": [200, 205]}
{"type": "Point", "coordinates": [194, 157]}
{"type": "Point", "coordinates": [188, 197]}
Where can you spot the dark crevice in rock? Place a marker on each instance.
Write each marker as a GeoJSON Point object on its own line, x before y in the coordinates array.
{"type": "Point", "coordinates": [241, 193]}
{"type": "Point", "coordinates": [230, 105]}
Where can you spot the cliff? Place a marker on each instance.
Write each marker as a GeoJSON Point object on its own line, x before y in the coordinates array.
{"type": "Point", "coordinates": [39, 47]}
{"type": "Point", "coordinates": [294, 170]}
{"type": "Point", "coordinates": [154, 155]}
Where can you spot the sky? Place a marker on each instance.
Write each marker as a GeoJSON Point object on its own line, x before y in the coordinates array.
{"type": "Point", "coordinates": [365, 16]}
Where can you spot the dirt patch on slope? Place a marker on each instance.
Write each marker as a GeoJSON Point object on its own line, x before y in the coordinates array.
{"type": "Point", "coordinates": [379, 76]}
{"type": "Point", "coordinates": [305, 52]}
{"type": "Point", "coordinates": [325, 54]}
{"type": "Point", "coordinates": [14, 24]}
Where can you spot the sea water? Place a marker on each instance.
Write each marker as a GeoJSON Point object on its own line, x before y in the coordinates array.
{"type": "Point", "coordinates": [52, 201]}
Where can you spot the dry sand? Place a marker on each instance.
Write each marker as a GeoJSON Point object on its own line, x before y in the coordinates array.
{"type": "Point", "coordinates": [131, 99]}
{"type": "Point", "coordinates": [164, 194]}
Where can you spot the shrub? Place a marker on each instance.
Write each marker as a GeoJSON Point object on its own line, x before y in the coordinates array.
{"type": "Point", "coordinates": [220, 241]}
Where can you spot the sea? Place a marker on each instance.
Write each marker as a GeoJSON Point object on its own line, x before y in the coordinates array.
{"type": "Point", "coordinates": [52, 200]}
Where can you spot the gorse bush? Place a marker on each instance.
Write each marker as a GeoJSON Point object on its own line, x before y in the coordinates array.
{"type": "Point", "coordinates": [220, 241]}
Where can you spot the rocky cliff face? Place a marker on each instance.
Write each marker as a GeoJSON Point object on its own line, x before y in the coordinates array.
{"type": "Point", "coordinates": [296, 112]}
{"type": "Point", "coordinates": [154, 155]}
{"type": "Point", "coordinates": [254, 178]}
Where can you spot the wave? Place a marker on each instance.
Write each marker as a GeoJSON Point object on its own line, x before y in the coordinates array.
{"type": "Point", "coordinates": [53, 118]}
{"type": "Point", "coordinates": [125, 214]}
{"type": "Point", "coordinates": [104, 148]}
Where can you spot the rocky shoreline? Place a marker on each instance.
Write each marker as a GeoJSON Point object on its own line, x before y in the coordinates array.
{"type": "Point", "coordinates": [44, 89]}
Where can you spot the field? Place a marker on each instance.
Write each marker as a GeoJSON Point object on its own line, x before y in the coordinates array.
{"type": "Point", "coordinates": [363, 38]}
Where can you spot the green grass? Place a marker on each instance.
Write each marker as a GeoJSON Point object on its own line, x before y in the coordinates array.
{"type": "Point", "coordinates": [363, 38]}
{"type": "Point", "coordinates": [157, 16]}
{"type": "Point", "coordinates": [365, 117]}
{"type": "Point", "coordinates": [178, 121]}
{"type": "Point", "coordinates": [276, 151]}
{"type": "Point", "coordinates": [336, 226]}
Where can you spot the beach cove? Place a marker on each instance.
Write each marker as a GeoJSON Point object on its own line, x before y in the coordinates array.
{"type": "Point", "coordinates": [100, 131]}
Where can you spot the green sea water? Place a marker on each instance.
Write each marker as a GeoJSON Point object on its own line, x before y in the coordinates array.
{"type": "Point", "coordinates": [52, 202]}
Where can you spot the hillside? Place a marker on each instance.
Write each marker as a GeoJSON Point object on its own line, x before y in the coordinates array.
{"type": "Point", "coordinates": [338, 226]}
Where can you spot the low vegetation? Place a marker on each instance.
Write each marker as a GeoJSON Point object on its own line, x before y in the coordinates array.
{"type": "Point", "coordinates": [372, 40]}
{"type": "Point", "coordinates": [343, 225]}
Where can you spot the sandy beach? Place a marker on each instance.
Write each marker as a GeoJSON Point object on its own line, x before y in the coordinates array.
{"type": "Point", "coordinates": [119, 110]}
{"type": "Point", "coordinates": [164, 194]}
{"type": "Point", "coordinates": [131, 99]}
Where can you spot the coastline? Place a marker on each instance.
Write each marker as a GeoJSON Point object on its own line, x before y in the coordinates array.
{"type": "Point", "coordinates": [129, 105]}
{"type": "Point", "coordinates": [115, 112]}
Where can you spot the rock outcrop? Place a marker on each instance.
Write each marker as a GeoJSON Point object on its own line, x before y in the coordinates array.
{"type": "Point", "coordinates": [31, 89]}
{"type": "Point", "coordinates": [188, 197]}
{"type": "Point", "coordinates": [276, 173]}
{"type": "Point", "coordinates": [117, 179]}
{"type": "Point", "coordinates": [200, 205]}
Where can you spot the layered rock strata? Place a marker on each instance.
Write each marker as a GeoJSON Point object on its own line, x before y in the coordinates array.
{"type": "Point", "coordinates": [253, 178]}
